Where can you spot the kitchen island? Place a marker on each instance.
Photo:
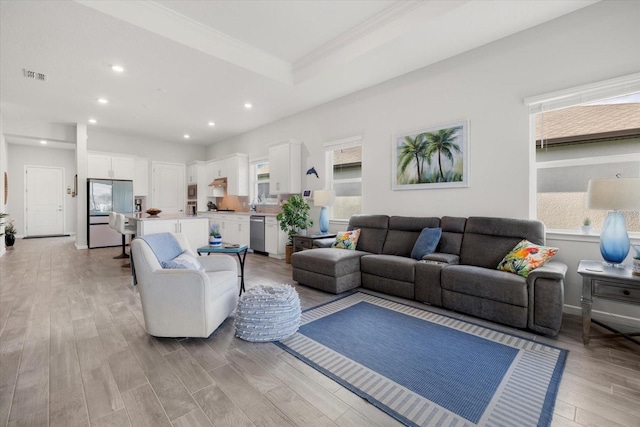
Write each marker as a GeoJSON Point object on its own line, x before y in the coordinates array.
{"type": "Point", "coordinates": [195, 228]}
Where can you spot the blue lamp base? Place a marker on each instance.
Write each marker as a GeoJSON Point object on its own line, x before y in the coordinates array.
{"type": "Point", "coordinates": [324, 220]}
{"type": "Point", "coordinates": [614, 240]}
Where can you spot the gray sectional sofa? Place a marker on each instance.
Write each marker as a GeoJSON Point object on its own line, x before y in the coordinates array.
{"type": "Point", "coordinates": [461, 275]}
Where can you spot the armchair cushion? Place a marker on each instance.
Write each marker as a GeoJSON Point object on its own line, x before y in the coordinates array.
{"type": "Point", "coordinates": [184, 261]}
{"type": "Point", "coordinates": [164, 246]}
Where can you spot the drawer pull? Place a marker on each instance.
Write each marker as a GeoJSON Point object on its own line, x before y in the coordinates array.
{"type": "Point", "coordinates": [626, 292]}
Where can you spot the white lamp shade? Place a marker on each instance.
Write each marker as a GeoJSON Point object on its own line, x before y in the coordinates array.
{"type": "Point", "coordinates": [616, 194]}
{"type": "Point", "coordinates": [323, 197]}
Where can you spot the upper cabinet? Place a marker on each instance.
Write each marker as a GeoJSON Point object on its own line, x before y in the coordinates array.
{"type": "Point", "coordinates": [193, 172]}
{"type": "Point", "coordinates": [110, 167]}
{"type": "Point", "coordinates": [141, 177]}
{"type": "Point", "coordinates": [285, 163]}
{"type": "Point", "coordinates": [235, 168]}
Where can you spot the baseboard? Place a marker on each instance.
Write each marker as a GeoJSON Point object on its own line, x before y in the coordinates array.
{"type": "Point", "coordinates": [81, 246]}
{"type": "Point", "coordinates": [604, 316]}
{"type": "Point", "coordinates": [276, 256]}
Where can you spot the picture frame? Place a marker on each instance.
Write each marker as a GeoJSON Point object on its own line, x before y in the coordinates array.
{"type": "Point", "coordinates": [433, 157]}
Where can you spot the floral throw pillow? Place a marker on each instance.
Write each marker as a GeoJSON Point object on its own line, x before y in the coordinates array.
{"type": "Point", "coordinates": [526, 257]}
{"type": "Point", "coordinates": [347, 240]}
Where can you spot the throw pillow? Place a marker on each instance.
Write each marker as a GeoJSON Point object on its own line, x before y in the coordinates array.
{"type": "Point", "coordinates": [526, 257]}
{"type": "Point", "coordinates": [427, 242]}
{"type": "Point", "coordinates": [184, 261]}
{"type": "Point", "coordinates": [347, 240]}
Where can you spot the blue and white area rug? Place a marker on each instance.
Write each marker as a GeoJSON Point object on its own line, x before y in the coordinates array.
{"type": "Point", "coordinates": [426, 369]}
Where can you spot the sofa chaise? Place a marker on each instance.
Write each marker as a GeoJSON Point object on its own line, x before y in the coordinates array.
{"type": "Point", "coordinates": [460, 275]}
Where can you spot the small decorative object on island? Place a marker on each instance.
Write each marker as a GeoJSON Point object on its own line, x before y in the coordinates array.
{"type": "Point", "coordinates": [636, 261]}
{"type": "Point", "coordinates": [586, 226]}
{"type": "Point", "coordinates": [153, 211]}
{"type": "Point", "coordinates": [215, 239]}
{"type": "Point", "coordinates": [293, 217]}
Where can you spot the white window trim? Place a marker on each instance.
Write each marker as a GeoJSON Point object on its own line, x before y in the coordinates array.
{"type": "Point", "coordinates": [329, 147]}
{"type": "Point", "coordinates": [565, 98]}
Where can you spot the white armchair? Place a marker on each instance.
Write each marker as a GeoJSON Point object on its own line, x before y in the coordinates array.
{"type": "Point", "coordinates": [181, 302]}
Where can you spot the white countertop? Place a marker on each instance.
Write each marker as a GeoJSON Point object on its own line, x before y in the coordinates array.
{"type": "Point", "coordinates": [236, 213]}
{"type": "Point", "coordinates": [147, 217]}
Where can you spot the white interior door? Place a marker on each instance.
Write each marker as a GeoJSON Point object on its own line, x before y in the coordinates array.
{"type": "Point", "coordinates": [168, 187]}
{"type": "Point", "coordinates": [45, 201]}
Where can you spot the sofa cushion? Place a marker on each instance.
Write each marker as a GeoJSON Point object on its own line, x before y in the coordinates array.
{"type": "Point", "coordinates": [389, 266]}
{"type": "Point", "coordinates": [443, 258]}
{"type": "Point", "coordinates": [426, 243]}
{"type": "Point", "coordinates": [403, 233]}
{"type": "Point", "coordinates": [452, 232]}
{"type": "Point", "coordinates": [526, 257]}
{"type": "Point", "coordinates": [485, 283]}
{"type": "Point", "coordinates": [373, 231]}
{"type": "Point", "coordinates": [328, 261]}
{"type": "Point", "coordinates": [487, 240]}
{"type": "Point", "coordinates": [347, 240]}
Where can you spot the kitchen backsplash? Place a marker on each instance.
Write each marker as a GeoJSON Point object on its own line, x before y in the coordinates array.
{"type": "Point", "coordinates": [235, 203]}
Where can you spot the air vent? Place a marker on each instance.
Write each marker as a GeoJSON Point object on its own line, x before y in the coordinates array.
{"type": "Point", "coordinates": [35, 75]}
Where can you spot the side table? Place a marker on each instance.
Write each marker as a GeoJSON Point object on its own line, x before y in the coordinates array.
{"type": "Point", "coordinates": [229, 249]}
{"type": "Point", "coordinates": [603, 281]}
{"type": "Point", "coordinates": [302, 242]}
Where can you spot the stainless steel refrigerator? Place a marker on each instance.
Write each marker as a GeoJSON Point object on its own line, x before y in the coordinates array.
{"type": "Point", "coordinates": [104, 196]}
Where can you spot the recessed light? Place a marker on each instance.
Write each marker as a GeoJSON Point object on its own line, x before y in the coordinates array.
{"type": "Point", "coordinates": [93, 121]}
{"type": "Point", "coordinates": [248, 105]}
{"type": "Point", "coordinates": [186, 136]}
{"type": "Point", "coordinates": [43, 142]}
{"type": "Point", "coordinates": [212, 124]}
{"type": "Point", "coordinates": [117, 68]}
{"type": "Point", "coordinates": [103, 100]}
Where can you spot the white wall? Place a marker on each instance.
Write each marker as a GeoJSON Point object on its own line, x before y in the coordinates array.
{"type": "Point", "coordinates": [486, 86]}
{"type": "Point", "coordinates": [27, 155]}
{"type": "Point", "coordinates": [99, 140]}
{"type": "Point", "coordinates": [3, 169]}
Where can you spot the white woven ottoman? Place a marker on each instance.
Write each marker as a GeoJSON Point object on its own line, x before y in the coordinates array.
{"type": "Point", "coordinates": [268, 313]}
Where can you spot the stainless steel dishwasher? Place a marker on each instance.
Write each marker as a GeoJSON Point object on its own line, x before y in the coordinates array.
{"type": "Point", "coordinates": [256, 233]}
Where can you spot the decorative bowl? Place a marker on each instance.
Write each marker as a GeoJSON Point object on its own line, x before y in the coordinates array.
{"type": "Point", "coordinates": [153, 211]}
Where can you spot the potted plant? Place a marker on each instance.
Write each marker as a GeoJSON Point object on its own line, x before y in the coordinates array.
{"type": "Point", "coordinates": [9, 234]}
{"type": "Point", "coordinates": [586, 226]}
{"type": "Point", "coordinates": [215, 238]}
{"type": "Point", "coordinates": [293, 217]}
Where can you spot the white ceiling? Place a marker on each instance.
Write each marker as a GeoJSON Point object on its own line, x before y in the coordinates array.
{"type": "Point", "coordinates": [190, 62]}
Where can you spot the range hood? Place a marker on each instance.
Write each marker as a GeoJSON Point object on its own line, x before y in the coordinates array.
{"type": "Point", "coordinates": [219, 182]}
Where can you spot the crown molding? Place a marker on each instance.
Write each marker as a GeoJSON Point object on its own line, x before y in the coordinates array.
{"type": "Point", "coordinates": [165, 22]}
{"type": "Point", "coordinates": [396, 20]}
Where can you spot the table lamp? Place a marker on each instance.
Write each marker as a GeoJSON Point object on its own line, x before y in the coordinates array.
{"type": "Point", "coordinates": [614, 195]}
{"type": "Point", "coordinates": [323, 198]}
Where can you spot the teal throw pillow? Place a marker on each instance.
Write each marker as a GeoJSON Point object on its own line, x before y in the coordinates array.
{"type": "Point", "coordinates": [427, 242]}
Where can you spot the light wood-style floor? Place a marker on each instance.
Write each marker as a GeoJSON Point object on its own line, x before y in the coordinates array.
{"type": "Point", "coordinates": [73, 352]}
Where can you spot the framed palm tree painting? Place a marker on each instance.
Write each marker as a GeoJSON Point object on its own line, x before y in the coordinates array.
{"type": "Point", "coordinates": [437, 157]}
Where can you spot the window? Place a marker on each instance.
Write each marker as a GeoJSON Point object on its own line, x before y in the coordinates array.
{"type": "Point", "coordinates": [574, 144]}
{"type": "Point", "coordinates": [261, 184]}
{"type": "Point", "coordinates": [344, 171]}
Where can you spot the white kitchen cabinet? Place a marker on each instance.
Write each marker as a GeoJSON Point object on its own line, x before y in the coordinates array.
{"type": "Point", "coordinates": [285, 164]}
{"type": "Point", "coordinates": [193, 172]}
{"type": "Point", "coordinates": [195, 229]}
{"type": "Point", "coordinates": [141, 177]}
{"type": "Point", "coordinates": [196, 175]}
{"type": "Point", "coordinates": [235, 168]}
{"type": "Point", "coordinates": [106, 166]}
{"type": "Point", "coordinates": [168, 193]}
{"type": "Point", "coordinates": [274, 238]}
{"type": "Point", "coordinates": [215, 169]}
{"type": "Point", "coordinates": [234, 227]}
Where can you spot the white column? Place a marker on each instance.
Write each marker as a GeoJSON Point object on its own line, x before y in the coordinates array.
{"type": "Point", "coordinates": [81, 170]}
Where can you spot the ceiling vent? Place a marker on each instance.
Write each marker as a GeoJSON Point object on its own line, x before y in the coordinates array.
{"type": "Point", "coordinates": [34, 75]}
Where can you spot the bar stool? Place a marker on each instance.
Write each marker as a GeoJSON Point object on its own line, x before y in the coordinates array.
{"type": "Point", "coordinates": [122, 228]}
{"type": "Point", "coordinates": [112, 224]}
